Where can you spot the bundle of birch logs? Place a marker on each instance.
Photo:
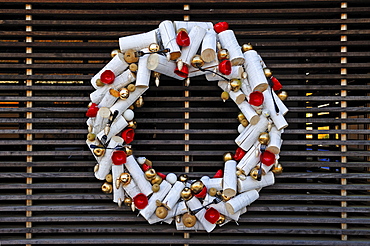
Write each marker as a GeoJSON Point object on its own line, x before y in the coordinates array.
{"type": "Point", "coordinates": [182, 50]}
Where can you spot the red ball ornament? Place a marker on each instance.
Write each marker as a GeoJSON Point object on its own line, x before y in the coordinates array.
{"type": "Point", "coordinates": [256, 98]}
{"type": "Point", "coordinates": [221, 26]}
{"type": "Point", "coordinates": [219, 174]}
{"type": "Point", "coordinates": [267, 158]}
{"type": "Point", "coordinates": [184, 72]}
{"type": "Point", "coordinates": [276, 84]}
{"type": "Point", "coordinates": [119, 157]}
{"type": "Point", "coordinates": [107, 77]}
{"type": "Point", "coordinates": [212, 215]}
{"type": "Point", "coordinates": [128, 135]}
{"type": "Point", "coordinates": [239, 154]}
{"type": "Point", "coordinates": [92, 111]}
{"type": "Point", "coordinates": [182, 38]}
{"type": "Point", "coordinates": [162, 175]}
{"type": "Point", "coordinates": [225, 67]}
{"type": "Point", "coordinates": [202, 194]}
{"type": "Point", "coordinates": [145, 167]}
{"type": "Point", "coordinates": [140, 201]}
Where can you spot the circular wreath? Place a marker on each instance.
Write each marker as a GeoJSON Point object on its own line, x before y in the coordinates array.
{"type": "Point", "coordinates": [182, 50]}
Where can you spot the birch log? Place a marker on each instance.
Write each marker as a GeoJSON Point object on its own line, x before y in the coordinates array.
{"type": "Point", "coordinates": [229, 42]}
{"type": "Point", "coordinates": [248, 137]}
{"type": "Point", "coordinates": [109, 99]}
{"type": "Point", "coordinates": [236, 73]}
{"type": "Point", "coordinates": [188, 25]}
{"type": "Point", "coordinates": [97, 95]}
{"type": "Point", "coordinates": [174, 195]}
{"type": "Point", "coordinates": [283, 109]}
{"type": "Point", "coordinates": [240, 201]}
{"type": "Point", "coordinates": [237, 96]}
{"type": "Point", "coordinates": [221, 208]}
{"type": "Point", "coordinates": [194, 204]}
{"type": "Point", "coordinates": [276, 117]}
{"type": "Point", "coordinates": [90, 124]}
{"type": "Point", "coordinates": [196, 36]}
{"type": "Point", "coordinates": [105, 163]}
{"type": "Point", "coordinates": [117, 65]}
{"type": "Point", "coordinates": [250, 159]}
{"type": "Point", "coordinates": [132, 189]}
{"type": "Point", "coordinates": [149, 210]}
{"type": "Point", "coordinates": [118, 193]}
{"type": "Point", "coordinates": [249, 112]}
{"type": "Point", "coordinates": [275, 140]}
{"type": "Point", "coordinates": [138, 175]}
{"type": "Point", "coordinates": [117, 125]}
{"type": "Point", "coordinates": [212, 182]}
{"type": "Point", "coordinates": [123, 79]}
{"type": "Point", "coordinates": [208, 50]}
{"type": "Point", "coordinates": [138, 41]}
{"type": "Point", "coordinates": [251, 184]}
{"type": "Point", "coordinates": [160, 64]}
{"type": "Point", "coordinates": [101, 120]}
{"type": "Point", "coordinates": [256, 76]}
{"type": "Point", "coordinates": [122, 105]}
{"type": "Point", "coordinates": [229, 179]}
{"type": "Point", "coordinates": [168, 36]}
{"type": "Point", "coordinates": [143, 73]}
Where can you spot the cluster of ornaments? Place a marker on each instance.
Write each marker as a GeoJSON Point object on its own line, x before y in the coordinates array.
{"type": "Point", "coordinates": [182, 50]}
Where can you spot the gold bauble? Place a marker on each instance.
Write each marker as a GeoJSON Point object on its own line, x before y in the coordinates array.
{"type": "Point", "coordinates": [125, 178]}
{"type": "Point", "coordinates": [189, 220]}
{"type": "Point", "coordinates": [186, 194]}
{"type": "Point", "coordinates": [109, 178]}
{"type": "Point", "coordinates": [247, 47]}
{"type": "Point", "coordinates": [235, 84]}
{"type": "Point", "coordinates": [264, 138]}
{"type": "Point", "coordinates": [244, 122]}
{"type": "Point", "coordinates": [223, 54]}
{"type": "Point", "coordinates": [133, 67]}
{"type": "Point", "coordinates": [156, 180]}
{"type": "Point", "coordinates": [283, 95]}
{"type": "Point", "coordinates": [225, 95]}
{"type": "Point", "coordinates": [254, 173]}
{"type": "Point", "coordinates": [221, 220]}
{"type": "Point", "coordinates": [124, 93]}
{"type": "Point", "coordinates": [107, 188]}
{"type": "Point", "coordinates": [277, 169]}
{"type": "Point", "coordinates": [128, 201]}
{"type": "Point", "coordinates": [156, 187]}
{"type": "Point", "coordinates": [153, 47]}
{"type": "Point", "coordinates": [241, 117]}
{"type": "Point", "coordinates": [228, 156]}
{"type": "Point", "coordinates": [183, 178]}
{"type": "Point", "coordinates": [130, 56]}
{"type": "Point", "coordinates": [114, 92]}
{"type": "Point", "coordinates": [150, 174]}
{"type": "Point", "coordinates": [197, 186]}
{"type": "Point", "coordinates": [267, 72]}
{"type": "Point", "coordinates": [91, 136]}
{"type": "Point", "coordinates": [212, 191]}
{"type": "Point", "coordinates": [114, 52]}
{"type": "Point", "coordinates": [161, 212]}
{"type": "Point", "coordinates": [132, 124]}
{"type": "Point", "coordinates": [99, 151]}
{"type": "Point", "coordinates": [197, 61]}
{"type": "Point", "coordinates": [99, 83]}
{"type": "Point", "coordinates": [128, 150]}
{"type": "Point", "coordinates": [131, 87]}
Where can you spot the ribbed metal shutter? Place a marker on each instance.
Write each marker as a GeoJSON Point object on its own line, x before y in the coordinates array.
{"type": "Point", "coordinates": [49, 50]}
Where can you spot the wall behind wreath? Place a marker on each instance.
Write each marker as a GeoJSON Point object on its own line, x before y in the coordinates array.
{"type": "Point", "coordinates": [319, 50]}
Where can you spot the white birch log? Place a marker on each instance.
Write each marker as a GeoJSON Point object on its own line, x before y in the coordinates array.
{"type": "Point", "coordinates": [283, 109]}
{"type": "Point", "coordinates": [250, 159]}
{"type": "Point", "coordinates": [248, 137]}
{"type": "Point", "coordinates": [229, 42]}
{"type": "Point", "coordinates": [196, 36]}
{"type": "Point", "coordinates": [117, 125]}
{"type": "Point", "coordinates": [229, 179]}
{"type": "Point", "coordinates": [149, 210]}
{"type": "Point", "coordinates": [208, 50]}
{"type": "Point", "coordinates": [181, 208]}
{"type": "Point", "coordinates": [143, 73]}
{"type": "Point", "coordinates": [168, 36]}
{"type": "Point", "coordinates": [168, 219]}
{"type": "Point", "coordinates": [194, 204]}
{"type": "Point", "coordinates": [122, 105]}
{"type": "Point", "coordinates": [188, 25]}
{"type": "Point", "coordinates": [249, 113]}
{"type": "Point", "coordinates": [197, 227]}
{"type": "Point", "coordinates": [160, 64]}
{"type": "Point", "coordinates": [105, 163]}
{"type": "Point", "coordinates": [193, 72]}
{"type": "Point", "coordinates": [101, 120]}
{"type": "Point", "coordinates": [275, 140]}
{"type": "Point", "coordinates": [123, 79]}
{"type": "Point", "coordinates": [95, 142]}
{"type": "Point", "coordinates": [138, 175]}
{"type": "Point", "coordinates": [266, 168]}
{"type": "Point", "coordinates": [118, 194]}
{"type": "Point", "coordinates": [256, 76]}
{"type": "Point", "coordinates": [277, 118]}
{"type": "Point", "coordinates": [97, 95]}
{"type": "Point", "coordinates": [221, 208]}
{"type": "Point", "coordinates": [236, 73]}
{"type": "Point", "coordinates": [251, 184]}
{"type": "Point", "coordinates": [117, 65]}
{"type": "Point", "coordinates": [238, 97]}
{"type": "Point", "coordinates": [132, 189]}
{"type": "Point", "coordinates": [90, 124]}
{"type": "Point", "coordinates": [108, 99]}
{"type": "Point", "coordinates": [240, 201]}
{"type": "Point", "coordinates": [138, 41]}
{"type": "Point", "coordinates": [246, 87]}
{"type": "Point", "coordinates": [212, 182]}
{"type": "Point", "coordinates": [174, 195]}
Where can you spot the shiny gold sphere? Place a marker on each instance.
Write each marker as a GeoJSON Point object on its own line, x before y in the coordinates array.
{"type": "Point", "coordinates": [186, 194]}
{"type": "Point", "coordinates": [124, 93]}
{"type": "Point", "coordinates": [130, 56]}
{"type": "Point", "coordinates": [156, 180]}
{"type": "Point", "coordinates": [264, 138]}
{"type": "Point", "coordinates": [128, 150]}
{"type": "Point", "coordinates": [114, 52]}
{"type": "Point", "coordinates": [125, 178]}
{"type": "Point", "coordinates": [156, 187]}
{"type": "Point", "coordinates": [283, 95]}
{"type": "Point", "coordinates": [228, 156]}
{"type": "Point", "coordinates": [235, 84]}
{"type": "Point", "coordinates": [267, 72]}
{"type": "Point", "coordinates": [91, 136]}
{"type": "Point", "coordinates": [212, 191]}
{"type": "Point", "coordinates": [128, 201]}
{"type": "Point", "coordinates": [132, 124]}
{"type": "Point", "coordinates": [241, 117]}
{"type": "Point", "coordinates": [277, 169]}
{"type": "Point", "coordinates": [244, 122]}
{"type": "Point", "coordinates": [223, 54]}
{"type": "Point", "coordinates": [150, 174]}
{"type": "Point", "coordinates": [131, 87]}
{"type": "Point", "coordinates": [114, 92]}
{"type": "Point", "coordinates": [100, 151]}
{"type": "Point", "coordinates": [221, 220]}
{"type": "Point", "coordinates": [197, 61]}
{"type": "Point", "coordinates": [183, 178]}
{"type": "Point", "coordinates": [109, 178]}
{"type": "Point", "coordinates": [161, 212]}
{"type": "Point", "coordinates": [133, 67]}
{"type": "Point", "coordinates": [254, 173]}
{"type": "Point", "coordinates": [153, 47]}
{"type": "Point", "coordinates": [107, 188]}
{"type": "Point", "coordinates": [247, 47]}
{"type": "Point", "coordinates": [189, 220]}
{"type": "Point", "coordinates": [197, 186]}
{"type": "Point", "coordinates": [99, 83]}
{"type": "Point", "coordinates": [225, 95]}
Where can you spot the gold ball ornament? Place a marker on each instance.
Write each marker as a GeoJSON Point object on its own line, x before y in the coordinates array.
{"type": "Point", "coordinates": [221, 220]}
{"type": "Point", "coordinates": [225, 96]}
{"type": "Point", "coordinates": [125, 178]}
{"type": "Point", "coordinates": [197, 61]}
{"type": "Point", "coordinates": [235, 84]}
{"type": "Point", "coordinates": [99, 151]}
{"type": "Point", "coordinates": [223, 54]}
{"type": "Point", "coordinates": [99, 83]}
{"type": "Point", "coordinates": [212, 191]}
{"type": "Point", "coordinates": [186, 194]}
{"type": "Point", "coordinates": [156, 187]}
{"type": "Point", "coordinates": [91, 136]}
{"type": "Point", "coordinates": [128, 150]}
{"type": "Point", "coordinates": [183, 178]}
{"type": "Point", "coordinates": [109, 178]}
{"type": "Point", "coordinates": [283, 95]}
{"type": "Point", "coordinates": [131, 87]}
{"type": "Point", "coordinates": [150, 174]}
{"type": "Point", "coordinates": [128, 201]}
{"type": "Point", "coordinates": [114, 52]}
{"type": "Point", "coordinates": [267, 72]}
{"type": "Point", "coordinates": [228, 156]}
{"type": "Point", "coordinates": [132, 124]}
{"type": "Point", "coordinates": [264, 138]}
{"type": "Point", "coordinates": [277, 169]}
{"type": "Point", "coordinates": [197, 186]}
{"type": "Point", "coordinates": [133, 67]}
{"type": "Point", "coordinates": [156, 180]}
{"type": "Point", "coordinates": [246, 47]}
{"type": "Point", "coordinates": [124, 93]}
{"type": "Point", "coordinates": [114, 92]}
{"type": "Point", "coordinates": [130, 56]}
{"type": "Point", "coordinates": [161, 212]}
{"type": "Point", "coordinates": [153, 47]}
{"type": "Point", "coordinates": [244, 122]}
{"type": "Point", "coordinates": [107, 188]}
{"type": "Point", "coordinates": [189, 220]}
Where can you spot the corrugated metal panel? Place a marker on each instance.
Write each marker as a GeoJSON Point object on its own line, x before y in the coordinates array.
{"type": "Point", "coordinates": [49, 50]}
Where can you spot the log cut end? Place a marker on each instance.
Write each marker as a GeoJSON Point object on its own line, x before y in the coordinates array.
{"type": "Point", "coordinates": [208, 55]}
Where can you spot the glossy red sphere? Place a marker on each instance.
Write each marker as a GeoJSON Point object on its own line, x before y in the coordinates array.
{"type": "Point", "coordinates": [140, 201]}
{"type": "Point", "coordinates": [277, 86]}
{"type": "Point", "coordinates": [183, 39]}
{"type": "Point", "coordinates": [107, 77]}
{"type": "Point", "coordinates": [128, 135]}
{"type": "Point", "coordinates": [212, 215]}
{"type": "Point", "coordinates": [225, 67]}
{"type": "Point", "coordinates": [267, 158]}
{"type": "Point", "coordinates": [221, 26]}
{"type": "Point", "coordinates": [256, 98]}
{"type": "Point", "coordinates": [239, 154]}
{"type": "Point", "coordinates": [119, 157]}
{"type": "Point", "coordinates": [92, 111]}
{"type": "Point", "coordinates": [219, 174]}
{"type": "Point", "coordinates": [184, 72]}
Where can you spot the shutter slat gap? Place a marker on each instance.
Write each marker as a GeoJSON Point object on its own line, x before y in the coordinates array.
{"type": "Point", "coordinates": [343, 116]}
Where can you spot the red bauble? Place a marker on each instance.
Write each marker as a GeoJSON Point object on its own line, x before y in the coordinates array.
{"type": "Point", "coordinates": [277, 86]}
{"type": "Point", "coordinates": [221, 26]}
{"type": "Point", "coordinates": [184, 72]}
{"type": "Point", "coordinates": [119, 157]}
{"type": "Point", "coordinates": [219, 174]}
{"type": "Point", "coordinates": [239, 154]}
{"type": "Point", "coordinates": [163, 176]}
{"type": "Point", "coordinates": [267, 158]}
{"type": "Point", "coordinates": [128, 135]}
{"type": "Point", "coordinates": [225, 67]}
{"type": "Point", "coordinates": [92, 111]}
{"type": "Point", "coordinates": [202, 194]}
{"type": "Point", "coordinates": [145, 167]}
{"type": "Point", "coordinates": [183, 39]}
{"type": "Point", "coordinates": [212, 215]}
{"type": "Point", "coordinates": [140, 201]}
{"type": "Point", "coordinates": [107, 77]}
{"type": "Point", "coordinates": [256, 98]}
